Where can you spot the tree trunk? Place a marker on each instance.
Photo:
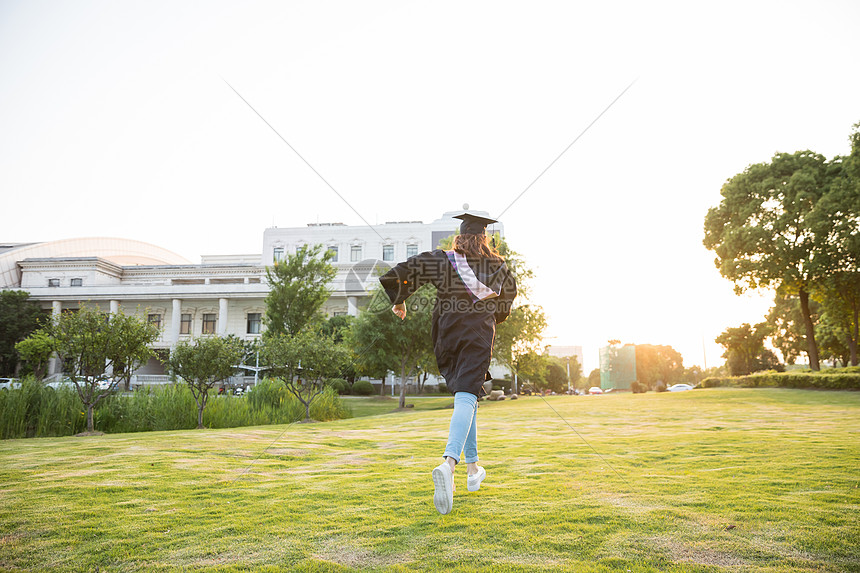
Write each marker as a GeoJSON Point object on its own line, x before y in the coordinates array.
{"type": "Point", "coordinates": [90, 424]}
{"type": "Point", "coordinates": [402, 385]}
{"type": "Point", "coordinates": [852, 342]}
{"type": "Point", "coordinates": [307, 410]}
{"type": "Point", "coordinates": [200, 416]}
{"type": "Point", "coordinates": [811, 347]}
{"type": "Point", "coordinates": [382, 390]}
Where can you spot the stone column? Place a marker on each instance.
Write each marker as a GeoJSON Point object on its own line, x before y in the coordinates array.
{"type": "Point", "coordinates": [54, 363]}
{"type": "Point", "coordinates": [352, 305]}
{"type": "Point", "coordinates": [175, 321]}
{"type": "Point", "coordinates": [222, 317]}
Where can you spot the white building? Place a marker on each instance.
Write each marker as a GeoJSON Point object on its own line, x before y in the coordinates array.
{"type": "Point", "coordinates": [223, 294]}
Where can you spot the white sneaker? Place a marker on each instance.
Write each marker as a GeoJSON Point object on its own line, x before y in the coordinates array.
{"type": "Point", "coordinates": [473, 482]}
{"type": "Point", "coordinates": [443, 479]}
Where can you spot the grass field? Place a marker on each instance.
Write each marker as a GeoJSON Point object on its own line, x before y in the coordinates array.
{"type": "Point", "coordinates": [710, 480]}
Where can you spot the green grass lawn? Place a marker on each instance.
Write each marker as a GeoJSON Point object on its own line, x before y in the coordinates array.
{"type": "Point", "coordinates": [709, 480]}
{"type": "Point", "coordinates": [373, 405]}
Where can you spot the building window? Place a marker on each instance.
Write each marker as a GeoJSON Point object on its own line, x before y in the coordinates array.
{"type": "Point", "coordinates": [209, 321]}
{"type": "Point", "coordinates": [387, 252]}
{"type": "Point", "coordinates": [333, 250]}
{"type": "Point", "coordinates": [154, 319]}
{"type": "Point", "coordinates": [355, 253]}
{"type": "Point", "coordinates": [77, 282]}
{"type": "Point", "coordinates": [411, 250]}
{"type": "Point", "coordinates": [278, 254]}
{"type": "Point", "coordinates": [53, 282]}
{"type": "Point", "coordinates": [254, 322]}
{"type": "Point", "coordinates": [185, 324]}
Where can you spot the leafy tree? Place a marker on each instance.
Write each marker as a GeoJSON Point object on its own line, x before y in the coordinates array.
{"type": "Point", "coordinates": [519, 339]}
{"type": "Point", "coordinates": [840, 302]}
{"type": "Point", "coordinates": [745, 351]}
{"type": "Point", "coordinates": [761, 230]}
{"type": "Point", "coordinates": [786, 321]}
{"type": "Point", "coordinates": [18, 318]}
{"type": "Point", "coordinates": [132, 341]}
{"type": "Point", "coordinates": [655, 363]}
{"type": "Point", "coordinates": [91, 344]}
{"type": "Point", "coordinates": [556, 375]}
{"type": "Point", "coordinates": [594, 378]}
{"type": "Point", "coordinates": [299, 288]}
{"type": "Point", "coordinates": [36, 351]}
{"type": "Point", "coordinates": [204, 363]}
{"type": "Point", "coordinates": [338, 327]}
{"type": "Point", "coordinates": [381, 340]}
{"type": "Point", "coordinates": [532, 367]}
{"type": "Point", "coordinates": [305, 361]}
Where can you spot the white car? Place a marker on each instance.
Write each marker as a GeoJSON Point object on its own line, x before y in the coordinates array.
{"type": "Point", "coordinates": [9, 384]}
{"type": "Point", "coordinates": [679, 388]}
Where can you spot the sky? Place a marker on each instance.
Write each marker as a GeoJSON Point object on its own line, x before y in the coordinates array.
{"type": "Point", "coordinates": [117, 120]}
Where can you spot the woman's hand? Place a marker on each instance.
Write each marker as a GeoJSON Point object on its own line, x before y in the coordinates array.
{"type": "Point", "coordinates": [399, 310]}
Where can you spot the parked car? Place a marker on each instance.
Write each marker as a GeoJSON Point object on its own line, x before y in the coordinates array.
{"type": "Point", "coordinates": [9, 384]}
{"type": "Point", "coordinates": [595, 390]}
{"type": "Point", "coordinates": [64, 383]}
{"type": "Point", "coordinates": [679, 388]}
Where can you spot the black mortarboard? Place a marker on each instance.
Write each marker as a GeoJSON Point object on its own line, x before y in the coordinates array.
{"type": "Point", "coordinates": [473, 224]}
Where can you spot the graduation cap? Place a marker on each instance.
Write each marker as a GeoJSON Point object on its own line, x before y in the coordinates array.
{"type": "Point", "coordinates": [473, 224]}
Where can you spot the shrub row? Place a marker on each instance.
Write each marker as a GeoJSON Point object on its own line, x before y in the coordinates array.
{"type": "Point", "coordinates": [834, 379]}
{"type": "Point", "coordinates": [36, 410]}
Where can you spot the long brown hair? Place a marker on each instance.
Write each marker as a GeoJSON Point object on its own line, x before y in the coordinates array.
{"type": "Point", "coordinates": [476, 247]}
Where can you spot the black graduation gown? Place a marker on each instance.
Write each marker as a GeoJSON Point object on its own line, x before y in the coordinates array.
{"type": "Point", "coordinates": [464, 326]}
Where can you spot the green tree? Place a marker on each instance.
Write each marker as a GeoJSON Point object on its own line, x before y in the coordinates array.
{"type": "Point", "coordinates": [839, 296]}
{"type": "Point", "coordinates": [761, 230]}
{"type": "Point", "coordinates": [786, 321]}
{"type": "Point", "coordinates": [745, 351]}
{"type": "Point", "coordinates": [556, 374]}
{"type": "Point", "coordinates": [298, 289]}
{"type": "Point", "coordinates": [92, 344]}
{"type": "Point", "coordinates": [656, 363]}
{"type": "Point", "coordinates": [36, 351]}
{"type": "Point", "coordinates": [18, 318]}
{"type": "Point", "coordinates": [594, 378]}
{"type": "Point", "coordinates": [835, 221]}
{"type": "Point", "coordinates": [132, 340]}
{"type": "Point", "coordinates": [381, 340]}
{"type": "Point", "coordinates": [304, 362]}
{"type": "Point", "coordinates": [203, 363]}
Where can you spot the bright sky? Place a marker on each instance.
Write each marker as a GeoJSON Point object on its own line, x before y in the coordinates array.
{"type": "Point", "coordinates": [115, 121]}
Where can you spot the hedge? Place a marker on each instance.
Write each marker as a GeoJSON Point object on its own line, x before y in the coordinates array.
{"type": "Point", "coordinates": [833, 379]}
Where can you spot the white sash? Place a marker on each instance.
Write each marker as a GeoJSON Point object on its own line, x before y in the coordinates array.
{"type": "Point", "coordinates": [472, 283]}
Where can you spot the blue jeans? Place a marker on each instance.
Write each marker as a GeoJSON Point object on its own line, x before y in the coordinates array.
{"type": "Point", "coordinates": [463, 433]}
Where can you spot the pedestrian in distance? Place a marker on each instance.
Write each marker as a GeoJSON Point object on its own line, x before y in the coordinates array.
{"type": "Point", "coordinates": [474, 292]}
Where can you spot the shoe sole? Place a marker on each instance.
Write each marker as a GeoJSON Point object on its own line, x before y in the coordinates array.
{"type": "Point", "coordinates": [477, 486]}
{"type": "Point", "coordinates": [443, 497]}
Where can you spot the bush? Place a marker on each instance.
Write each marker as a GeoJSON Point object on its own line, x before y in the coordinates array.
{"type": "Point", "coordinates": [362, 388]}
{"type": "Point", "coordinates": [339, 385]}
{"type": "Point", "coordinates": [660, 386]}
{"type": "Point", "coordinates": [832, 379]}
{"type": "Point", "coordinates": [442, 388]}
{"type": "Point", "coordinates": [638, 388]}
{"type": "Point", "coordinates": [36, 410]}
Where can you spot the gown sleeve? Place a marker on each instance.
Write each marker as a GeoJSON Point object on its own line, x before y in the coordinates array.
{"type": "Point", "coordinates": [407, 277]}
{"type": "Point", "coordinates": [506, 297]}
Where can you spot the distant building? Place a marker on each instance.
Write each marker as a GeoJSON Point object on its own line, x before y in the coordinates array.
{"type": "Point", "coordinates": [224, 294]}
{"type": "Point", "coordinates": [565, 351]}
